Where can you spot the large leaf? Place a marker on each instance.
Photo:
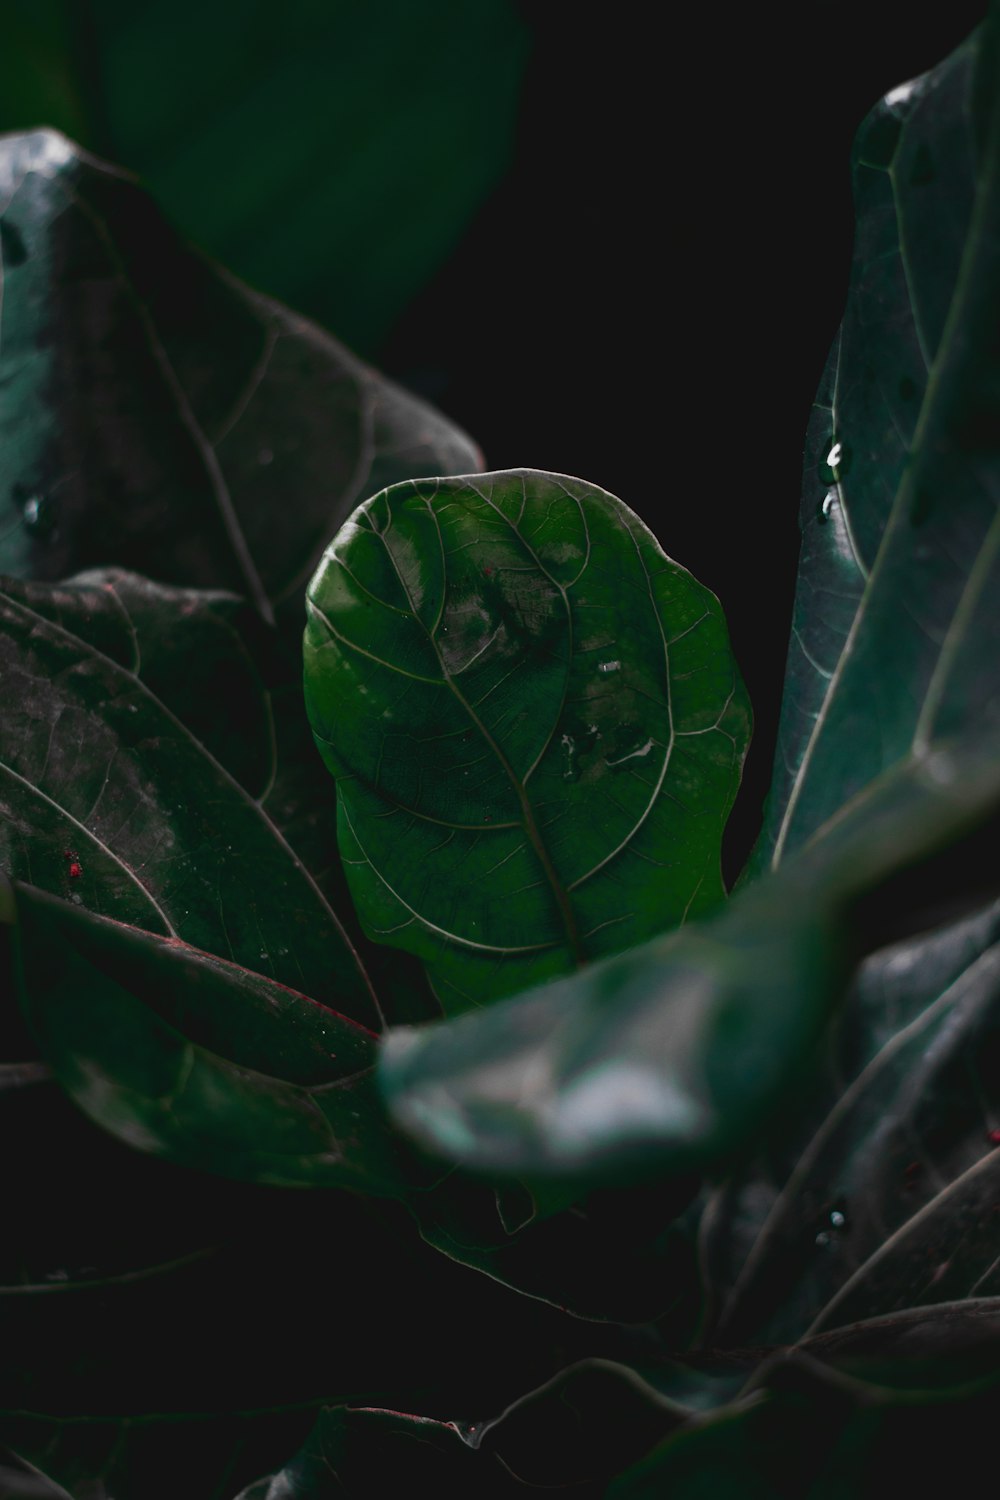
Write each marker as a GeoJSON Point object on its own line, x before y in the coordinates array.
{"type": "Point", "coordinates": [129, 807]}
{"type": "Point", "coordinates": [652, 1051]}
{"type": "Point", "coordinates": [158, 415]}
{"type": "Point", "coordinates": [882, 1197]}
{"type": "Point", "coordinates": [536, 724]}
{"type": "Point", "coordinates": [197, 1059]}
{"type": "Point", "coordinates": [879, 1196]}
{"type": "Point", "coordinates": [895, 621]}
{"type": "Point", "coordinates": [212, 1067]}
{"type": "Point", "coordinates": [670, 1058]}
{"type": "Point", "coordinates": [330, 154]}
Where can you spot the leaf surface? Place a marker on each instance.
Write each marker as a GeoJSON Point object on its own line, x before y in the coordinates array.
{"type": "Point", "coordinates": [158, 415]}
{"type": "Point", "coordinates": [880, 1194]}
{"type": "Point", "coordinates": [535, 721]}
{"type": "Point", "coordinates": [109, 799]}
{"type": "Point", "coordinates": [331, 155]}
{"type": "Point", "coordinates": [186, 1055]}
{"type": "Point", "coordinates": [895, 627]}
{"type": "Point", "coordinates": [671, 1057]}
{"type": "Point", "coordinates": [674, 1050]}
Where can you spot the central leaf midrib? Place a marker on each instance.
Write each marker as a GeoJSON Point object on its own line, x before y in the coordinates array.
{"type": "Point", "coordinates": [528, 821]}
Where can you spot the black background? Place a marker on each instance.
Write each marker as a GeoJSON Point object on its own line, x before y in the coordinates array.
{"type": "Point", "coordinates": [647, 300]}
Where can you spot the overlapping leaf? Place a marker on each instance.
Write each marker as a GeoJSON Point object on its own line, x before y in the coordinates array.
{"type": "Point", "coordinates": [883, 1196]}
{"type": "Point", "coordinates": [673, 1051]}
{"type": "Point", "coordinates": [158, 415]}
{"type": "Point", "coordinates": [536, 724]}
{"type": "Point", "coordinates": [669, 1058]}
{"type": "Point", "coordinates": [200, 1060]}
{"type": "Point", "coordinates": [330, 154]}
{"type": "Point", "coordinates": [111, 799]}
{"type": "Point", "coordinates": [895, 624]}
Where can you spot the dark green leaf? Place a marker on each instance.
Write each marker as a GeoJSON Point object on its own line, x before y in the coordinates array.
{"type": "Point", "coordinates": [675, 1052]}
{"type": "Point", "coordinates": [191, 1057]}
{"type": "Point", "coordinates": [670, 1058]}
{"type": "Point", "coordinates": [895, 634]}
{"type": "Point", "coordinates": [158, 415]}
{"type": "Point", "coordinates": [201, 1456]}
{"type": "Point", "coordinates": [110, 799]}
{"type": "Point", "coordinates": [805, 1428]}
{"type": "Point", "coordinates": [884, 1195]}
{"type": "Point", "coordinates": [880, 1194]}
{"type": "Point", "coordinates": [536, 724]}
{"type": "Point", "coordinates": [570, 1435]}
{"type": "Point", "coordinates": [331, 154]}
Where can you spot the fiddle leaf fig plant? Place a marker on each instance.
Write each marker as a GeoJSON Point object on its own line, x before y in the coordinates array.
{"type": "Point", "coordinates": [410, 950]}
{"type": "Point", "coordinates": [536, 724]}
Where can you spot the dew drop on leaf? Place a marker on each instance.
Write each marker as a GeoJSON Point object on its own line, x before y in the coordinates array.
{"type": "Point", "coordinates": [835, 462]}
{"type": "Point", "coordinates": [39, 514]}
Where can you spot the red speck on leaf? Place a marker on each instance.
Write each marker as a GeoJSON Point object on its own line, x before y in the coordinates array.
{"type": "Point", "coordinates": [75, 871]}
{"type": "Point", "coordinates": [993, 1136]}
{"type": "Point", "coordinates": [488, 572]}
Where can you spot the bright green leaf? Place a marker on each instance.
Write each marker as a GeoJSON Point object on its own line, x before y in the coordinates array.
{"type": "Point", "coordinates": [536, 724]}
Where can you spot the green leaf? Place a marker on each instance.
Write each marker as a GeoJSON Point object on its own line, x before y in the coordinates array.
{"type": "Point", "coordinates": [832, 1425]}
{"type": "Point", "coordinates": [895, 628]}
{"type": "Point", "coordinates": [571, 1434]}
{"type": "Point", "coordinates": [535, 721]}
{"type": "Point", "coordinates": [202, 1456]}
{"type": "Point", "coordinates": [881, 1196]}
{"type": "Point", "coordinates": [185, 1055]}
{"type": "Point", "coordinates": [670, 1058]}
{"type": "Point", "coordinates": [158, 415]}
{"type": "Point", "coordinates": [330, 154]}
{"type": "Point", "coordinates": [878, 1195]}
{"type": "Point", "coordinates": [110, 799]}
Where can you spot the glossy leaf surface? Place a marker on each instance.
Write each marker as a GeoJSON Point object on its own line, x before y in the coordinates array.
{"type": "Point", "coordinates": [188, 1056]}
{"type": "Point", "coordinates": [113, 800]}
{"type": "Point", "coordinates": [911, 694]}
{"type": "Point", "coordinates": [158, 415]}
{"type": "Point", "coordinates": [535, 721]}
{"type": "Point", "coordinates": [880, 1195]}
{"type": "Point", "coordinates": [331, 154]}
{"type": "Point", "coordinates": [884, 1195]}
{"type": "Point", "coordinates": [669, 1058]}
{"type": "Point", "coordinates": [895, 630]}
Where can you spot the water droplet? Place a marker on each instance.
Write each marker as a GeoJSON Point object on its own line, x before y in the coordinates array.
{"type": "Point", "coordinates": [263, 955]}
{"type": "Point", "coordinates": [822, 1238]}
{"type": "Point", "coordinates": [835, 463]}
{"type": "Point", "coordinates": [837, 1219]}
{"type": "Point", "coordinates": [76, 898]}
{"type": "Point", "coordinates": [39, 514]}
{"type": "Point", "coordinates": [829, 504]}
{"type": "Point", "coordinates": [607, 667]}
{"type": "Point", "coordinates": [638, 752]}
